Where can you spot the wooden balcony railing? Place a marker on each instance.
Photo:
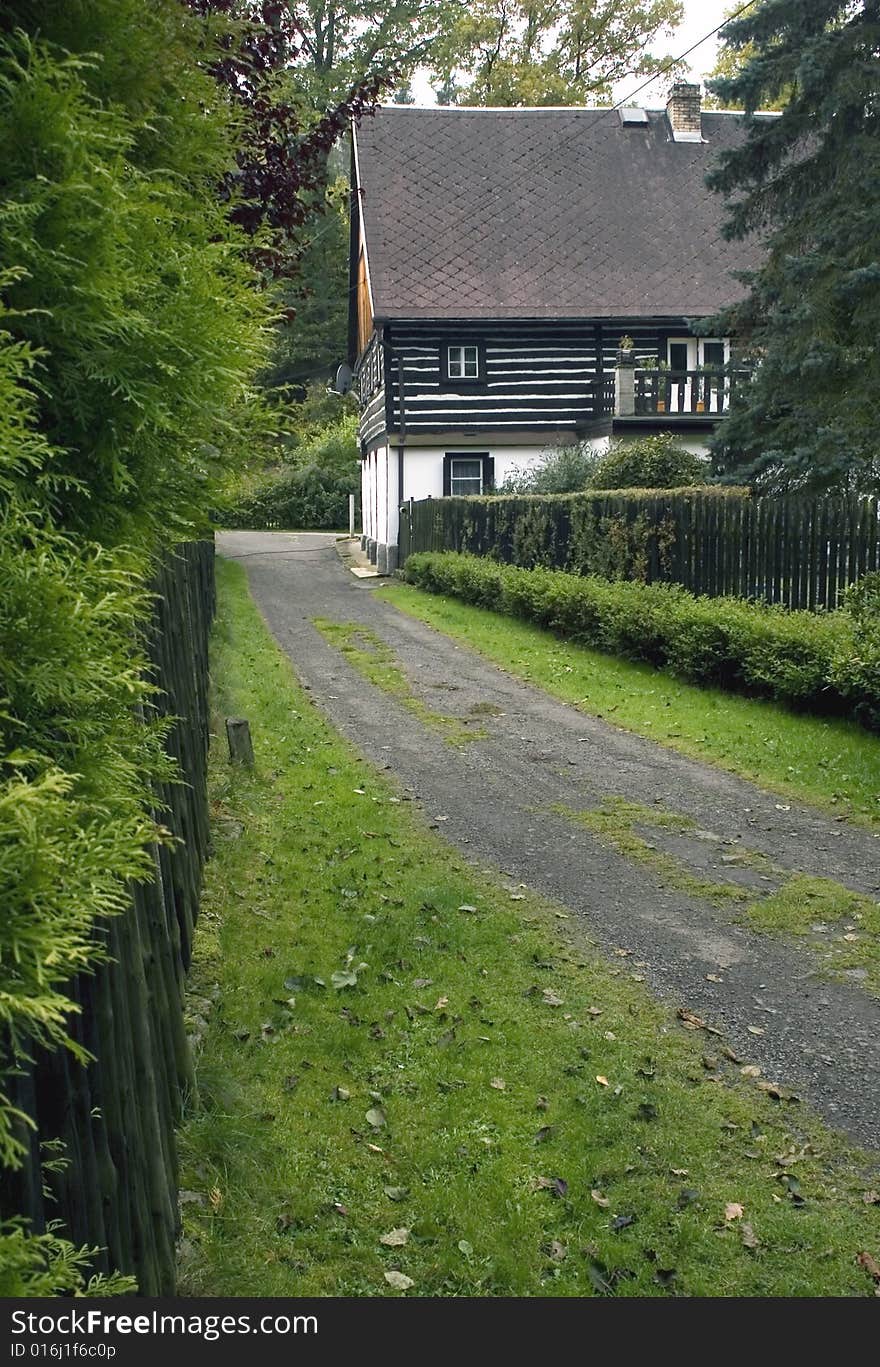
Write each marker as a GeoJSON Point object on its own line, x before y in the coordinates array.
{"type": "Point", "coordinates": [685, 393]}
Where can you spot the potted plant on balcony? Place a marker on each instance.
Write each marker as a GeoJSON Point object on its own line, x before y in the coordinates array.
{"type": "Point", "coordinates": [661, 402]}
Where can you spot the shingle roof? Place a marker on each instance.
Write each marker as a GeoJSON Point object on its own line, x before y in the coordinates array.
{"type": "Point", "coordinates": [543, 213]}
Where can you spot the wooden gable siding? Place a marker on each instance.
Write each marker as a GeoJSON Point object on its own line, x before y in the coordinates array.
{"type": "Point", "coordinates": [364, 311]}
{"type": "Point", "coordinates": [537, 377]}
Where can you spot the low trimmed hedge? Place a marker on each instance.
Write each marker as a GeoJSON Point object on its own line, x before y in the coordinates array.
{"type": "Point", "coordinates": [822, 661]}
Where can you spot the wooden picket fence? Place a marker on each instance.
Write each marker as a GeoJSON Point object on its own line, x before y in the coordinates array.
{"type": "Point", "coordinates": [799, 552]}
{"type": "Point", "coordinates": [112, 1123]}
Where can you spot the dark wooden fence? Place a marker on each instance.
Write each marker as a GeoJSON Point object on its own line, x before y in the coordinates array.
{"type": "Point", "coordinates": [112, 1123]}
{"type": "Point", "coordinates": [800, 552]}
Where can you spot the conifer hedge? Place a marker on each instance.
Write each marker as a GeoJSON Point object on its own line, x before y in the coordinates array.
{"type": "Point", "coordinates": [129, 330]}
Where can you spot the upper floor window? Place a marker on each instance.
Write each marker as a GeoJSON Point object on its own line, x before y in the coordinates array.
{"type": "Point", "coordinates": [463, 364]}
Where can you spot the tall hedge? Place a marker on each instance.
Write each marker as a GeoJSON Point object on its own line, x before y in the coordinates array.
{"type": "Point", "coordinates": [129, 332]}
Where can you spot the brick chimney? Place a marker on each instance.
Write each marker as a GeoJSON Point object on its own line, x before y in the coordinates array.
{"type": "Point", "coordinates": [683, 112]}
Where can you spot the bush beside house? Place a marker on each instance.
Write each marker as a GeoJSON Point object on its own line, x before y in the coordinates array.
{"type": "Point", "coordinates": [311, 490]}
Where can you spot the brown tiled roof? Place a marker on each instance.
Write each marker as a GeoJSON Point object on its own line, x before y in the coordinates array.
{"type": "Point", "coordinates": [543, 213]}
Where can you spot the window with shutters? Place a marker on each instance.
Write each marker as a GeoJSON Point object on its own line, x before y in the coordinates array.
{"type": "Point", "coordinates": [467, 472]}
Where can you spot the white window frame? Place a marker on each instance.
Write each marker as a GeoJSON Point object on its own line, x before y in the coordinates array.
{"type": "Point", "coordinates": [696, 358]}
{"type": "Point", "coordinates": [696, 349]}
{"type": "Point", "coordinates": [473, 460]}
{"type": "Point", "coordinates": [459, 358]}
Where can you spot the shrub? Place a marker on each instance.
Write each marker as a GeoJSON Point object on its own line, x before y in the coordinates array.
{"type": "Point", "coordinates": [560, 470]}
{"type": "Point", "coordinates": [823, 661]}
{"type": "Point", "coordinates": [856, 673]}
{"type": "Point", "coordinates": [654, 462]}
{"type": "Point", "coordinates": [314, 494]}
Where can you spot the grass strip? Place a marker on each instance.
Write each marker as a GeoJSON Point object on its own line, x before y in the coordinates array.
{"type": "Point", "coordinates": [414, 1079]}
{"type": "Point", "coordinates": [832, 763]}
{"type": "Point", "coordinates": [376, 662]}
{"type": "Point", "coordinates": [842, 926]}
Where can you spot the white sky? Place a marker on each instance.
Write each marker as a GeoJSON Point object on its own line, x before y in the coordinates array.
{"type": "Point", "coordinates": [700, 16]}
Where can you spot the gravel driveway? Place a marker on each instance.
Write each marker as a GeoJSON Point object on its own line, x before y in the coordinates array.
{"type": "Point", "coordinates": [496, 797]}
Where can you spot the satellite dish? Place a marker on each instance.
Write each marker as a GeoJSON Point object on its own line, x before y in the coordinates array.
{"type": "Point", "coordinates": [344, 378]}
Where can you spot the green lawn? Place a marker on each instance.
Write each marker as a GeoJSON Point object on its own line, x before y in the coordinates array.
{"type": "Point", "coordinates": [412, 1079]}
{"type": "Point", "coordinates": [831, 763]}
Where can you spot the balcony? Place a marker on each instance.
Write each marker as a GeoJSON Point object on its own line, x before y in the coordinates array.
{"type": "Point", "coordinates": [649, 395]}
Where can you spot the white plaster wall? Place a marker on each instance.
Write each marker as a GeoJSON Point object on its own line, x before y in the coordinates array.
{"type": "Point", "coordinates": [382, 493]}
{"type": "Point", "coordinates": [423, 465]}
{"type": "Point", "coordinates": [366, 500]}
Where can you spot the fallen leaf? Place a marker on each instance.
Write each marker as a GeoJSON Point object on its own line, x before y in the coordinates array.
{"type": "Point", "coordinates": [849, 938]}
{"type": "Point", "coordinates": [376, 1118]}
{"type": "Point", "coordinates": [543, 1134]}
{"type": "Point", "coordinates": [600, 1199]}
{"type": "Point", "coordinates": [396, 1193]}
{"type": "Point", "coordinates": [441, 1003]}
{"type": "Point", "coordinates": [602, 1081]}
{"type": "Point", "coordinates": [550, 998]}
{"type": "Point", "coordinates": [594, 1010]}
{"type": "Point", "coordinates": [713, 978]}
{"type": "Point", "coordinates": [542, 1104]}
{"type": "Point", "coordinates": [749, 1237]}
{"type": "Point", "coordinates": [733, 1211]}
{"type": "Point", "coordinates": [422, 982]}
{"type": "Point", "coordinates": [687, 1197]}
{"type": "Point", "coordinates": [751, 1070]}
{"type": "Point", "coordinates": [399, 1280]}
{"type": "Point", "coordinates": [557, 1251]}
{"type": "Point", "coordinates": [600, 1278]}
{"type": "Point", "coordinates": [690, 1020]}
{"type": "Point", "coordinates": [557, 1185]}
{"type": "Point", "coordinates": [466, 1249]}
{"type": "Point", "coordinates": [498, 1083]}
{"type": "Point", "coordinates": [343, 978]}
{"type": "Point", "coordinates": [871, 1198]}
{"type": "Point", "coordinates": [870, 1264]}
{"type": "Point", "coordinates": [754, 1030]}
{"type": "Point", "coordinates": [467, 907]}
{"type": "Point", "coordinates": [622, 1222]}
{"type": "Point", "coordinates": [395, 1238]}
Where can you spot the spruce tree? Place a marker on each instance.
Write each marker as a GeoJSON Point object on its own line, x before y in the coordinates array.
{"type": "Point", "coordinates": [807, 181]}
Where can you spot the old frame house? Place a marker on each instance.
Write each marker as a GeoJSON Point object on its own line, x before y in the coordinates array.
{"type": "Point", "coordinates": [527, 278]}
